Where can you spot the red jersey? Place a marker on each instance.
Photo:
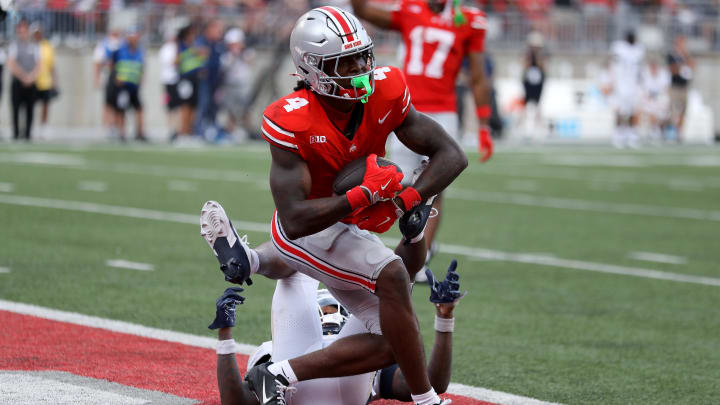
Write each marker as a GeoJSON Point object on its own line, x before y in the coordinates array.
{"type": "Point", "coordinates": [299, 124]}
{"type": "Point", "coordinates": [434, 51]}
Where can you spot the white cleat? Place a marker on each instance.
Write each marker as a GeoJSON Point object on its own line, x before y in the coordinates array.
{"type": "Point", "coordinates": [231, 250]}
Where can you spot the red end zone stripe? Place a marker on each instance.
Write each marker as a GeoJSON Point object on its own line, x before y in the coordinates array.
{"type": "Point", "coordinates": [343, 22]}
{"type": "Point", "coordinates": [320, 266]}
{"type": "Point", "coordinates": [30, 343]}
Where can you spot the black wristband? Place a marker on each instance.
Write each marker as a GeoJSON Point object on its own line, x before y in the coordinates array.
{"type": "Point", "coordinates": [386, 381]}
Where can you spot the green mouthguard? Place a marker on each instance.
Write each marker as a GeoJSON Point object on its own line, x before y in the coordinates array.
{"type": "Point", "coordinates": [459, 18]}
{"type": "Point", "coordinates": [363, 82]}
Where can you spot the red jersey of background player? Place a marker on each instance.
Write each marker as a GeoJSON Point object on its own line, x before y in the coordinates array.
{"type": "Point", "coordinates": [298, 123]}
{"type": "Point", "coordinates": [434, 50]}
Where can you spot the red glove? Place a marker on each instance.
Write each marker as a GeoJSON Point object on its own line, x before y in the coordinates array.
{"type": "Point", "coordinates": [380, 183]}
{"type": "Point", "coordinates": [485, 143]}
{"type": "Point", "coordinates": [378, 217]}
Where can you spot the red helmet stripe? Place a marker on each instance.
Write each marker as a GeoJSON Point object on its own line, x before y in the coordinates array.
{"type": "Point", "coordinates": [344, 23]}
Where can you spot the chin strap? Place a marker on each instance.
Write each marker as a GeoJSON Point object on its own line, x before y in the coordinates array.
{"type": "Point", "coordinates": [459, 18]}
{"type": "Point", "coordinates": [363, 82]}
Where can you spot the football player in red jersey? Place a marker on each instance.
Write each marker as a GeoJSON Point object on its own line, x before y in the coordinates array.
{"type": "Point", "coordinates": [438, 35]}
{"type": "Point", "coordinates": [344, 109]}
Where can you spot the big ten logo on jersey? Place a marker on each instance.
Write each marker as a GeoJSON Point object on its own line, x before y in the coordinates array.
{"type": "Point", "coordinates": [317, 139]}
{"type": "Point", "coordinates": [295, 103]}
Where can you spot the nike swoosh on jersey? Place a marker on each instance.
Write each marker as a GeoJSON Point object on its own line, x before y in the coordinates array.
{"type": "Point", "coordinates": [381, 121]}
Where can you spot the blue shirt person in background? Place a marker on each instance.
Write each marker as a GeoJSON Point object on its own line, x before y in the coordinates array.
{"type": "Point", "coordinates": [127, 70]}
{"type": "Point", "coordinates": [210, 77]}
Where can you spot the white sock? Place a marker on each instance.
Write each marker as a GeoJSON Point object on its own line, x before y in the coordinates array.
{"type": "Point", "coordinates": [254, 261]}
{"type": "Point", "coordinates": [428, 398]}
{"type": "Point", "coordinates": [284, 368]}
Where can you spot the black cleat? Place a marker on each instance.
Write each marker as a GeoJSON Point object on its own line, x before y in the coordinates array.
{"type": "Point", "coordinates": [269, 389]}
{"type": "Point", "coordinates": [231, 250]}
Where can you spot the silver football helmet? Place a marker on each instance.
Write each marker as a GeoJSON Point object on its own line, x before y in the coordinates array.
{"type": "Point", "coordinates": [332, 314]}
{"type": "Point", "coordinates": [320, 38]}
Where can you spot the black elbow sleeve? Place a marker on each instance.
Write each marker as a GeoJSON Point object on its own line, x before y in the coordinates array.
{"type": "Point", "coordinates": [387, 375]}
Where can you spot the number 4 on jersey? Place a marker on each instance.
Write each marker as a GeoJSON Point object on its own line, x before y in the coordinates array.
{"type": "Point", "coordinates": [379, 73]}
{"type": "Point", "coordinates": [295, 103]}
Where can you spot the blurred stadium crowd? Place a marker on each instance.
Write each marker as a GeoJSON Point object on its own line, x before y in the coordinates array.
{"type": "Point", "coordinates": [207, 48]}
{"type": "Point", "coordinates": [583, 22]}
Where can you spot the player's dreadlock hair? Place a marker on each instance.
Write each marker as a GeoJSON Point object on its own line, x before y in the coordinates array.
{"type": "Point", "coordinates": [301, 85]}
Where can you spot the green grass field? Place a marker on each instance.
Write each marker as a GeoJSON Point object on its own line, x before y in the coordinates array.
{"type": "Point", "coordinates": [560, 306]}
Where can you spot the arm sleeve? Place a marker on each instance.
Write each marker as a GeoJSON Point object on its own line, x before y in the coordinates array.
{"type": "Point", "coordinates": [277, 136]}
{"type": "Point", "coordinates": [386, 377]}
{"type": "Point", "coordinates": [478, 26]}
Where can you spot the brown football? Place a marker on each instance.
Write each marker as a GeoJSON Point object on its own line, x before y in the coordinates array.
{"type": "Point", "coordinates": [353, 173]}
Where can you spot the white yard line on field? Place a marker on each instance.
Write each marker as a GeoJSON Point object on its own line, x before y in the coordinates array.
{"type": "Point", "coordinates": [468, 251]}
{"type": "Point", "coordinates": [144, 169]}
{"type": "Point", "coordinates": [657, 257]}
{"type": "Point", "coordinates": [624, 177]}
{"type": "Point", "coordinates": [260, 181]}
{"type": "Point", "coordinates": [583, 205]}
{"type": "Point", "coordinates": [686, 185]}
{"type": "Point", "coordinates": [4, 270]}
{"type": "Point", "coordinates": [179, 185]}
{"type": "Point", "coordinates": [95, 186]}
{"type": "Point", "coordinates": [68, 161]}
{"type": "Point", "coordinates": [481, 394]}
{"type": "Point", "coordinates": [522, 185]}
{"type": "Point", "coordinates": [126, 264]}
{"type": "Point", "coordinates": [7, 187]}
{"type": "Point", "coordinates": [116, 210]}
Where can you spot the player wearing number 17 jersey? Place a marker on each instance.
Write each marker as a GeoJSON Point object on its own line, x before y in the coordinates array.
{"type": "Point", "coordinates": [438, 35]}
{"type": "Point", "coordinates": [343, 109]}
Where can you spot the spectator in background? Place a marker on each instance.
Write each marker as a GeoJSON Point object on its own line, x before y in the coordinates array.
{"type": "Point", "coordinates": [681, 66]}
{"type": "Point", "coordinates": [189, 61]}
{"type": "Point", "coordinates": [626, 69]}
{"type": "Point", "coordinates": [656, 84]}
{"type": "Point", "coordinates": [210, 77]}
{"type": "Point", "coordinates": [101, 58]}
{"type": "Point", "coordinates": [23, 63]}
{"type": "Point", "coordinates": [533, 81]}
{"type": "Point", "coordinates": [127, 67]}
{"type": "Point", "coordinates": [237, 76]}
{"type": "Point", "coordinates": [47, 78]}
{"type": "Point", "coordinates": [170, 77]}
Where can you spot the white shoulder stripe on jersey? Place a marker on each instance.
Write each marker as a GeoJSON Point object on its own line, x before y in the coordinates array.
{"type": "Point", "coordinates": [283, 143]}
{"type": "Point", "coordinates": [406, 93]}
{"type": "Point", "coordinates": [277, 128]}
